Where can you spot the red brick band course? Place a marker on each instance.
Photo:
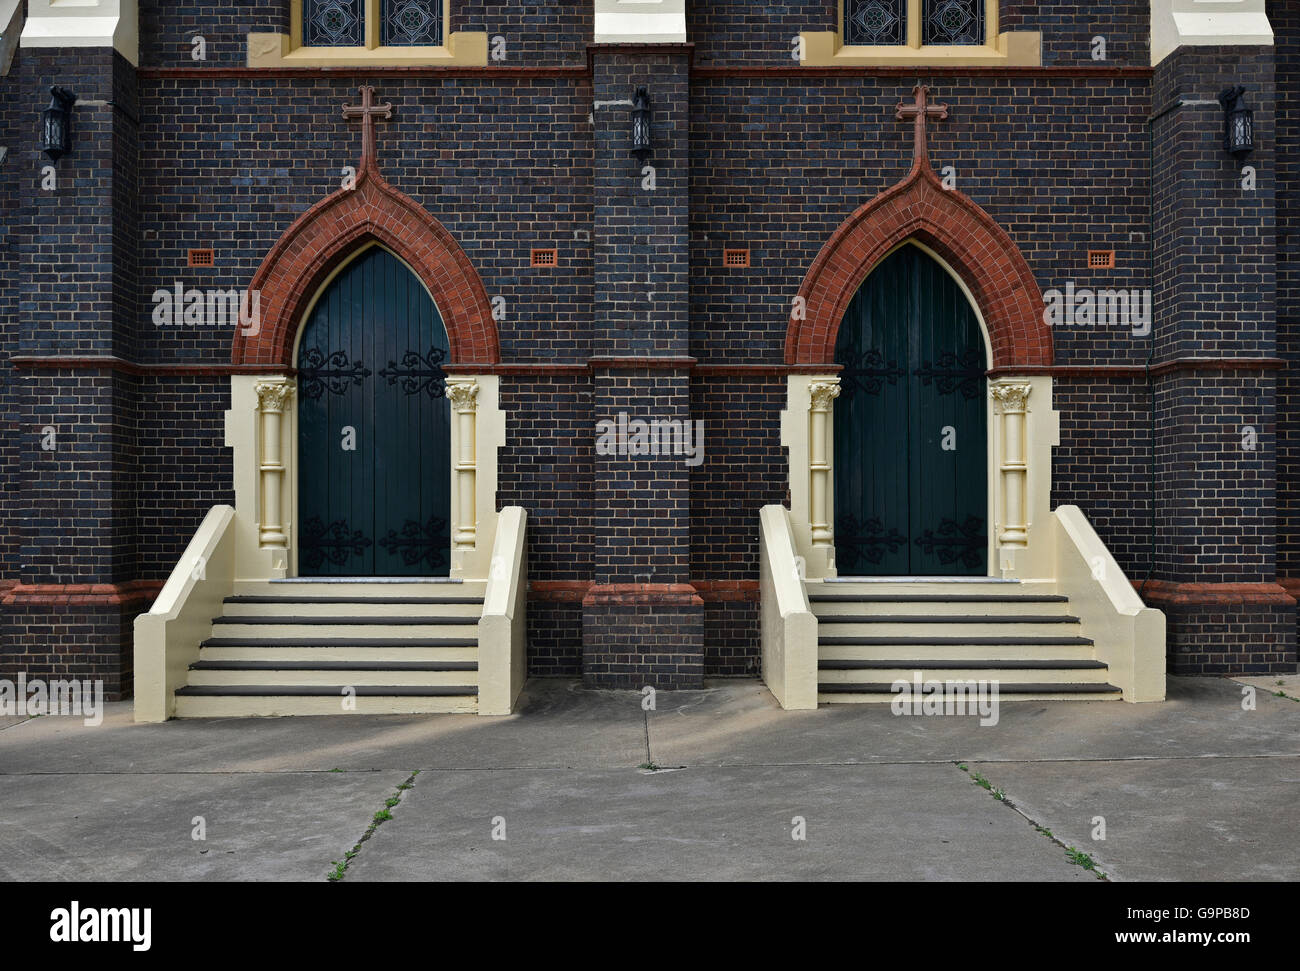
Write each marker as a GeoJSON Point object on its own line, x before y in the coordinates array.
{"type": "Point", "coordinates": [952, 225]}
{"type": "Point", "coordinates": [676, 594]}
{"type": "Point", "coordinates": [1160, 592]}
{"type": "Point", "coordinates": [141, 592]}
{"type": "Point", "coordinates": [333, 230]}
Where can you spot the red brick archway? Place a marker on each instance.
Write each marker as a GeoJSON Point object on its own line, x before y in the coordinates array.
{"type": "Point", "coordinates": [335, 229]}
{"type": "Point", "coordinates": [952, 225]}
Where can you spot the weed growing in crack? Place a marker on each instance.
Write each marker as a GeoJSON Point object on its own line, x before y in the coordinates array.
{"type": "Point", "coordinates": [382, 816]}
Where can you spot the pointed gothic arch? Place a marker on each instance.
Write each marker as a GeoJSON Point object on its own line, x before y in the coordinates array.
{"type": "Point", "coordinates": [333, 231]}
{"type": "Point", "coordinates": [958, 230]}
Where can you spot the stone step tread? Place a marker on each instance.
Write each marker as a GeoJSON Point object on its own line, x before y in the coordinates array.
{"type": "Point", "coordinates": [971, 641]}
{"type": "Point", "coordinates": [429, 666]}
{"type": "Point", "coordinates": [946, 619]}
{"type": "Point", "coordinates": [361, 642]}
{"type": "Point", "coordinates": [249, 598]}
{"type": "Point", "coordinates": [323, 619]}
{"type": "Point", "coordinates": [1015, 688]}
{"type": "Point", "coordinates": [328, 691]}
{"type": "Point", "coordinates": [935, 598]}
{"type": "Point", "coordinates": [940, 664]}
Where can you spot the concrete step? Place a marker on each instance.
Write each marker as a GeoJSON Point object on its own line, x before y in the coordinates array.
{"type": "Point", "coordinates": [848, 625]}
{"type": "Point", "coordinates": [243, 701]}
{"type": "Point", "coordinates": [937, 605]}
{"type": "Point", "coordinates": [338, 628]}
{"type": "Point", "coordinates": [355, 673]}
{"type": "Point", "coordinates": [981, 586]}
{"type": "Point", "coordinates": [380, 607]}
{"type": "Point", "coordinates": [1009, 673]}
{"type": "Point", "coordinates": [360, 587]}
{"type": "Point", "coordinates": [948, 653]}
{"type": "Point", "coordinates": [873, 692]}
{"type": "Point", "coordinates": [951, 640]}
{"type": "Point", "coordinates": [228, 649]}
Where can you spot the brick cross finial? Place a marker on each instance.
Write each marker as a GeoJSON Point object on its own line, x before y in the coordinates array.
{"type": "Point", "coordinates": [368, 111]}
{"type": "Point", "coordinates": [921, 110]}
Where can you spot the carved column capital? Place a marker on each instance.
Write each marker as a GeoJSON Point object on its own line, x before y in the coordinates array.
{"type": "Point", "coordinates": [274, 396]}
{"type": "Point", "coordinates": [823, 392]}
{"type": "Point", "coordinates": [463, 394]}
{"type": "Point", "coordinates": [1010, 397]}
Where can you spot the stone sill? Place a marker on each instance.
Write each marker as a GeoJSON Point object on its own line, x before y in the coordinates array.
{"type": "Point", "coordinates": [274, 50]}
{"type": "Point", "coordinates": [1016, 49]}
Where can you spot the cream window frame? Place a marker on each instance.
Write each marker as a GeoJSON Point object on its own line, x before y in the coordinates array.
{"type": "Point", "coordinates": [1019, 48]}
{"type": "Point", "coordinates": [288, 50]}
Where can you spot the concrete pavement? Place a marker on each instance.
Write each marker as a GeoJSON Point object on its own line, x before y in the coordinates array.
{"type": "Point", "coordinates": [1192, 788]}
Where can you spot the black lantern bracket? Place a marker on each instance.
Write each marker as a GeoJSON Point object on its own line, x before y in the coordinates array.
{"type": "Point", "coordinates": [56, 123]}
{"type": "Point", "coordinates": [641, 141]}
{"type": "Point", "coordinates": [1238, 123]}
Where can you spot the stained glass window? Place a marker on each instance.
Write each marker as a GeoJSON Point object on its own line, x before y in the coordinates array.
{"type": "Point", "coordinates": [953, 22]}
{"type": "Point", "coordinates": [332, 23]}
{"type": "Point", "coordinates": [408, 22]}
{"type": "Point", "coordinates": [875, 22]}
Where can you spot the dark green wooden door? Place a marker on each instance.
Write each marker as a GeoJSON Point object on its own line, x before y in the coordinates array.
{"type": "Point", "coordinates": [373, 427]}
{"type": "Point", "coordinates": [911, 493]}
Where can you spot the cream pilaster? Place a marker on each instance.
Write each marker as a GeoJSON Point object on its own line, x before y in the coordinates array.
{"type": "Point", "coordinates": [1023, 430]}
{"type": "Point", "coordinates": [821, 394]}
{"type": "Point", "coordinates": [478, 430]}
{"type": "Point", "coordinates": [272, 398]}
{"type": "Point", "coordinates": [807, 426]}
{"type": "Point", "coordinates": [1010, 401]}
{"type": "Point", "coordinates": [463, 395]}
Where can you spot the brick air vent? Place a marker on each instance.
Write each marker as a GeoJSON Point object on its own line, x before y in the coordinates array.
{"type": "Point", "coordinates": [735, 257]}
{"type": "Point", "coordinates": [1101, 259]}
{"type": "Point", "coordinates": [545, 257]}
{"type": "Point", "coordinates": [201, 257]}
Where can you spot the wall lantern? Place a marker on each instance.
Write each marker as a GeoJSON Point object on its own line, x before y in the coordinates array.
{"type": "Point", "coordinates": [641, 124]}
{"type": "Point", "coordinates": [1238, 123]}
{"type": "Point", "coordinates": [56, 123]}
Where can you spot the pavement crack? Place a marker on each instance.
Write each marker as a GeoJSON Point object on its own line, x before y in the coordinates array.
{"type": "Point", "coordinates": [646, 724]}
{"type": "Point", "coordinates": [382, 816]}
{"type": "Point", "coordinates": [1074, 856]}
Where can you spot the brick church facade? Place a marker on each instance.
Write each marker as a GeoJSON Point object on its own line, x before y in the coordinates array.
{"type": "Point", "coordinates": [701, 274]}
